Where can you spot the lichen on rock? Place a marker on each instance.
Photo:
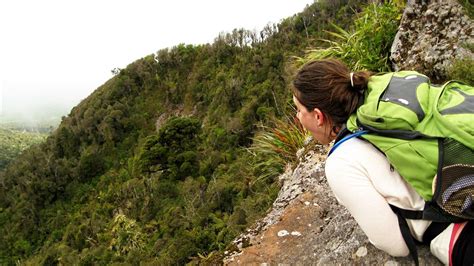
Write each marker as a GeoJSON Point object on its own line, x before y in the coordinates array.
{"type": "Point", "coordinates": [431, 35]}
{"type": "Point", "coordinates": [321, 232]}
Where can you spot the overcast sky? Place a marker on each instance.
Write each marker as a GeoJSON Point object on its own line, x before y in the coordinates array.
{"type": "Point", "coordinates": [56, 52]}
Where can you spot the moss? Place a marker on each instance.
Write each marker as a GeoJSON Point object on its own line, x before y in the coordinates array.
{"type": "Point", "coordinates": [469, 6]}
{"type": "Point", "coordinates": [461, 69]}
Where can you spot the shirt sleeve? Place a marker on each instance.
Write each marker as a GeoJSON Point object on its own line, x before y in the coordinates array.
{"type": "Point", "coordinates": [350, 183]}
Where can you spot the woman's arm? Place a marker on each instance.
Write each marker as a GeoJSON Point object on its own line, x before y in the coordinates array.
{"type": "Point", "coordinates": [352, 187]}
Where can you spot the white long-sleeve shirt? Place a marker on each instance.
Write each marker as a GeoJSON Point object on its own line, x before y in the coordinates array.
{"type": "Point", "coordinates": [362, 180]}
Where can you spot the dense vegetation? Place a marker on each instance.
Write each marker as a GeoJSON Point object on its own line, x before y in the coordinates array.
{"type": "Point", "coordinates": [13, 141]}
{"type": "Point", "coordinates": [155, 166]}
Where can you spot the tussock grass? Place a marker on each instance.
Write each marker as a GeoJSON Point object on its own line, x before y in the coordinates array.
{"type": "Point", "coordinates": [367, 46]}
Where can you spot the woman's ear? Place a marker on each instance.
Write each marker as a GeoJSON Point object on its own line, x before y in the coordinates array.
{"type": "Point", "coordinates": [319, 116]}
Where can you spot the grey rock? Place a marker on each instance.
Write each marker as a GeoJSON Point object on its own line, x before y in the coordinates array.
{"type": "Point", "coordinates": [334, 238]}
{"type": "Point", "coordinates": [430, 37]}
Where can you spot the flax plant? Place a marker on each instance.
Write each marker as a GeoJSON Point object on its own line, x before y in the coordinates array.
{"type": "Point", "coordinates": [276, 145]}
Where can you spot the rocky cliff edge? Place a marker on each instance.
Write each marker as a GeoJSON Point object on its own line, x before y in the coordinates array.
{"type": "Point", "coordinates": [307, 226]}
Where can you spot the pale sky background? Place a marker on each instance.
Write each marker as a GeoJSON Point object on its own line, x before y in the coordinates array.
{"type": "Point", "coordinates": [53, 53]}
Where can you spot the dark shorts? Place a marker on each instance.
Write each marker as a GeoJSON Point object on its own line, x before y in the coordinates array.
{"type": "Point", "coordinates": [463, 250]}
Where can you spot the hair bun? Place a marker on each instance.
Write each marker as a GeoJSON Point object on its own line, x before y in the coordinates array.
{"type": "Point", "coordinates": [359, 80]}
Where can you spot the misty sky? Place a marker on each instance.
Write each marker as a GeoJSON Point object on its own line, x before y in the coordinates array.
{"type": "Point", "coordinates": [53, 53]}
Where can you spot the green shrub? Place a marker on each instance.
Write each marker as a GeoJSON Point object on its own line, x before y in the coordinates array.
{"type": "Point", "coordinates": [151, 157]}
{"type": "Point", "coordinates": [180, 133]}
{"type": "Point", "coordinates": [91, 164]}
{"type": "Point", "coordinates": [126, 235]}
{"type": "Point", "coordinates": [172, 150]}
{"type": "Point", "coordinates": [461, 69]}
{"type": "Point", "coordinates": [22, 247]}
{"type": "Point", "coordinates": [368, 45]}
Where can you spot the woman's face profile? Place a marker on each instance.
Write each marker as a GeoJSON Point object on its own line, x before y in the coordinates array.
{"type": "Point", "coordinates": [313, 121]}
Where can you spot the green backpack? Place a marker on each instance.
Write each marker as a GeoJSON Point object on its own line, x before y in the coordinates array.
{"type": "Point", "coordinates": [427, 134]}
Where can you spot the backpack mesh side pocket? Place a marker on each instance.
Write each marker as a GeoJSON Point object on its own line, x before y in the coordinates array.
{"type": "Point", "coordinates": [454, 187]}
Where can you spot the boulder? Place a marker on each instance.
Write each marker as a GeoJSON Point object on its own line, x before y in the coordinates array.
{"type": "Point", "coordinates": [431, 35]}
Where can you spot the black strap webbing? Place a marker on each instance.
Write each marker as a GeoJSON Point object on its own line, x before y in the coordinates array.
{"type": "Point", "coordinates": [408, 214]}
{"type": "Point", "coordinates": [433, 230]}
{"type": "Point", "coordinates": [405, 230]}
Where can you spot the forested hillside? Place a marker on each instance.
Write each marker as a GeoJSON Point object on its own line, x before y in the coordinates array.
{"type": "Point", "coordinates": [14, 141]}
{"type": "Point", "coordinates": [154, 166]}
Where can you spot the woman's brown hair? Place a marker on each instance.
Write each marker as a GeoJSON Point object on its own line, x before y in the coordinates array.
{"type": "Point", "coordinates": [326, 85]}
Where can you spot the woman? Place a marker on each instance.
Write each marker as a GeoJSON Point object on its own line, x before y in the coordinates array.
{"type": "Point", "coordinates": [326, 93]}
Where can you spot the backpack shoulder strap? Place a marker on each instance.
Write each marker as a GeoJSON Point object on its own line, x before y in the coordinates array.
{"type": "Point", "coordinates": [345, 135]}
